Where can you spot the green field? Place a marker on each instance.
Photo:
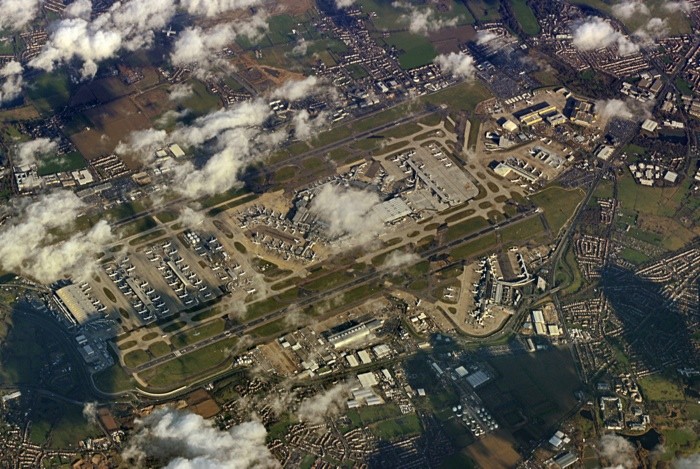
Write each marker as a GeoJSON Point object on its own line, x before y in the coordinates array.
{"type": "Point", "coordinates": [201, 101]}
{"type": "Point", "coordinates": [136, 358]}
{"type": "Point", "coordinates": [269, 329]}
{"type": "Point", "coordinates": [634, 256]}
{"type": "Point", "coordinates": [158, 349]}
{"type": "Point", "coordinates": [393, 428]}
{"type": "Point", "coordinates": [195, 334]}
{"type": "Point", "coordinates": [185, 368]}
{"type": "Point", "coordinates": [525, 17]}
{"type": "Point", "coordinates": [50, 92]}
{"type": "Point", "coordinates": [558, 204]}
{"type": "Point", "coordinates": [476, 246]}
{"type": "Point", "coordinates": [414, 50]}
{"type": "Point", "coordinates": [113, 379]}
{"type": "Point", "coordinates": [463, 228]}
{"type": "Point", "coordinates": [659, 388]}
{"type": "Point", "coordinates": [485, 10]}
{"type": "Point", "coordinates": [388, 16]}
{"type": "Point", "coordinates": [568, 273]}
{"type": "Point", "coordinates": [137, 226]}
{"type": "Point", "coordinates": [59, 163]}
{"type": "Point", "coordinates": [60, 425]}
{"type": "Point", "coordinates": [521, 232]}
{"type": "Point", "coordinates": [543, 384]}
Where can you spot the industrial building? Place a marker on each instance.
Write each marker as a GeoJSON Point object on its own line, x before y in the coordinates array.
{"type": "Point", "coordinates": [536, 114]}
{"type": "Point", "coordinates": [354, 333]}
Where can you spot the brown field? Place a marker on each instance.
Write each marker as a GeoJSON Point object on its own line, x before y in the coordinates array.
{"type": "Point", "coordinates": [22, 113]}
{"type": "Point", "coordinates": [263, 77]}
{"type": "Point", "coordinates": [448, 40]}
{"type": "Point", "coordinates": [494, 451]}
{"type": "Point", "coordinates": [294, 7]}
{"type": "Point", "coordinates": [153, 103]}
{"type": "Point", "coordinates": [111, 123]}
{"type": "Point", "coordinates": [278, 358]}
{"type": "Point", "coordinates": [201, 403]}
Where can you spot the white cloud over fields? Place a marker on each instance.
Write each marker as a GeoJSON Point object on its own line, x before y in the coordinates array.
{"type": "Point", "coordinates": [130, 25]}
{"type": "Point", "coordinates": [596, 33]}
{"type": "Point", "coordinates": [422, 20]}
{"type": "Point", "coordinates": [331, 402]}
{"type": "Point", "coordinates": [11, 87]}
{"type": "Point", "coordinates": [16, 14]}
{"type": "Point", "coordinates": [458, 64]}
{"type": "Point", "coordinates": [27, 152]}
{"type": "Point", "coordinates": [200, 46]}
{"type": "Point", "coordinates": [183, 440]}
{"type": "Point", "coordinates": [27, 245]}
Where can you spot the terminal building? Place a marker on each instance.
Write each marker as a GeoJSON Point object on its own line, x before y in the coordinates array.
{"type": "Point", "coordinates": [77, 303]}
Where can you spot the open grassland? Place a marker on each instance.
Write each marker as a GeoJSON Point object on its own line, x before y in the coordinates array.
{"type": "Point", "coordinates": [414, 50]}
{"type": "Point", "coordinates": [523, 13]}
{"type": "Point", "coordinates": [558, 205]}
{"type": "Point", "coordinates": [50, 92]}
{"type": "Point", "coordinates": [660, 388]}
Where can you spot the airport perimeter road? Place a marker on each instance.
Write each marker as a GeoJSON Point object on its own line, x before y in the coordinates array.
{"type": "Point", "coordinates": [242, 329]}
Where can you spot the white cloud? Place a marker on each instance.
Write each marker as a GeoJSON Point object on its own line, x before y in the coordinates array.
{"type": "Point", "coordinates": [654, 29]}
{"type": "Point", "coordinates": [422, 21]}
{"type": "Point", "coordinates": [11, 88]}
{"type": "Point", "coordinates": [300, 48]}
{"type": "Point", "coordinates": [687, 462]}
{"type": "Point", "coordinates": [678, 6]}
{"type": "Point", "coordinates": [344, 3]}
{"type": "Point", "coordinates": [197, 45]}
{"type": "Point", "coordinates": [90, 412]}
{"type": "Point", "coordinates": [16, 14]}
{"type": "Point", "coordinates": [27, 152]}
{"type": "Point", "coordinates": [458, 64]}
{"type": "Point", "coordinates": [629, 8]}
{"type": "Point", "coordinates": [211, 8]}
{"type": "Point", "coordinates": [182, 440]}
{"type": "Point", "coordinates": [596, 33]}
{"type": "Point", "coordinates": [27, 245]}
{"type": "Point", "coordinates": [232, 137]}
{"type": "Point", "coordinates": [399, 259]}
{"type": "Point", "coordinates": [618, 452]}
{"type": "Point", "coordinates": [306, 127]}
{"type": "Point", "coordinates": [349, 213]}
{"type": "Point", "coordinates": [294, 90]}
{"type": "Point", "coordinates": [128, 25]}
{"type": "Point", "coordinates": [630, 109]}
{"type": "Point", "coordinates": [329, 403]}
{"type": "Point", "coordinates": [180, 91]}
{"type": "Point", "coordinates": [143, 143]}
{"type": "Point", "coordinates": [79, 9]}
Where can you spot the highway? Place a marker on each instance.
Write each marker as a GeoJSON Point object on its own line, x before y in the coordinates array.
{"type": "Point", "coordinates": [241, 329]}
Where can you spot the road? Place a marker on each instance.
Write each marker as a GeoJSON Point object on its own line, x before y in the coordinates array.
{"type": "Point", "coordinates": [241, 329]}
